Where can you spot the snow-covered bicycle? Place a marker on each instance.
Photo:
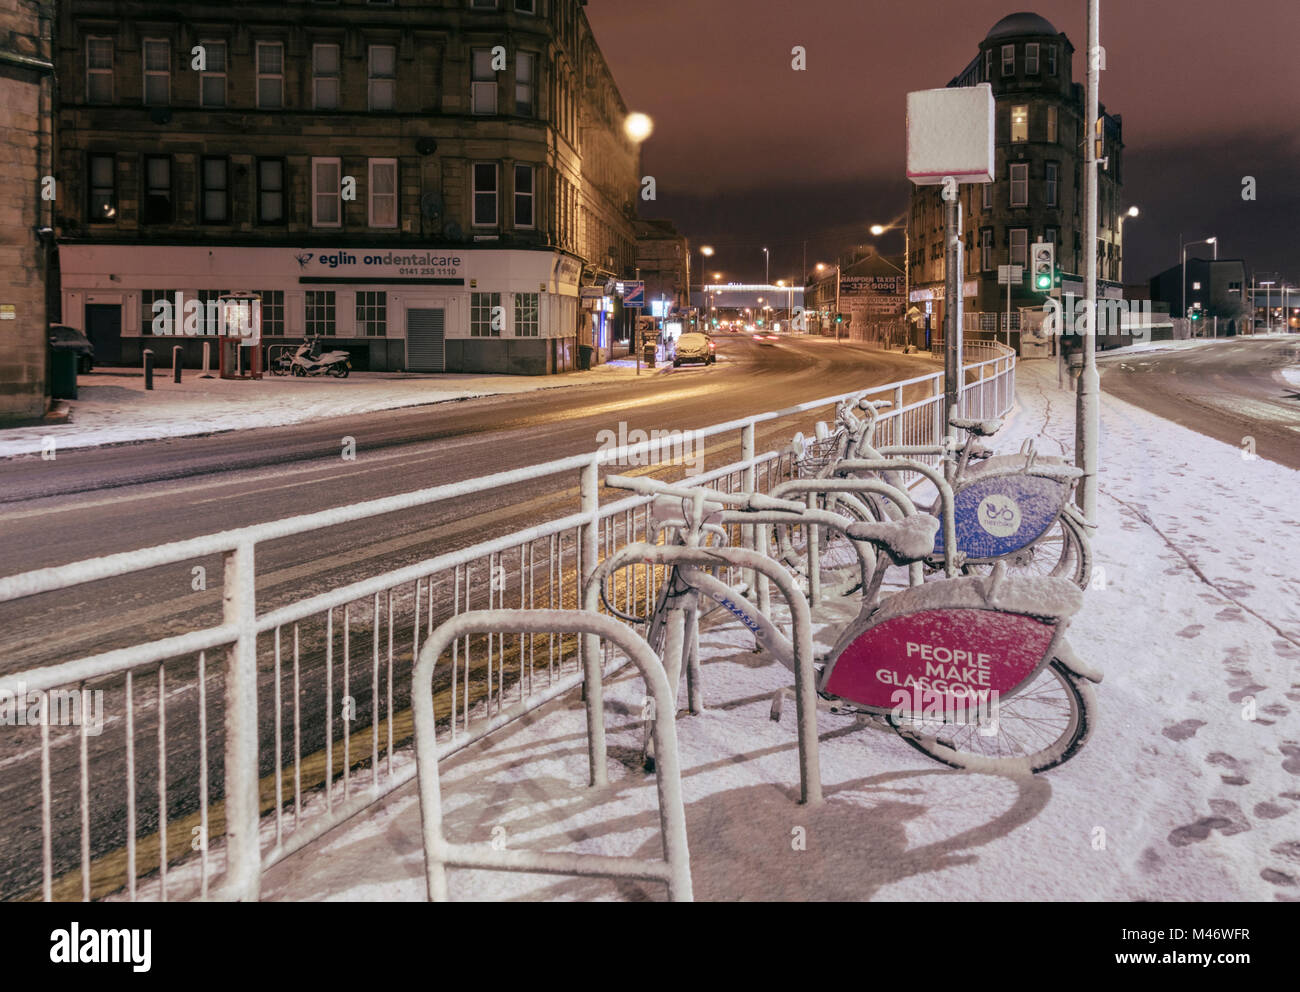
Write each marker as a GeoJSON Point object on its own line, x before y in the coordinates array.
{"type": "Point", "coordinates": [972, 671]}
{"type": "Point", "coordinates": [1015, 509]}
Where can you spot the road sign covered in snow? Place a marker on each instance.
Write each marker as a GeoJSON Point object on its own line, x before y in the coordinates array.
{"type": "Point", "coordinates": [950, 133]}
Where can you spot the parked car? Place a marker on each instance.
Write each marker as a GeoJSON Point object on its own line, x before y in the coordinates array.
{"type": "Point", "coordinates": [70, 339]}
{"type": "Point", "coordinates": [694, 347]}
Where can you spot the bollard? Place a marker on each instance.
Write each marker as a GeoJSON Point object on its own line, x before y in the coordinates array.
{"type": "Point", "coordinates": [176, 363]}
{"type": "Point", "coordinates": [148, 368]}
{"type": "Point", "coordinates": [207, 358]}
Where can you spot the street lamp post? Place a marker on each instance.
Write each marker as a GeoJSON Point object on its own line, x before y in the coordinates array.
{"type": "Point", "coordinates": [1268, 309]}
{"type": "Point", "coordinates": [767, 262]}
{"type": "Point", "coordinates": [1182, 247]}
{"type": "Point", "coordinates": [901, 221]}
{"type": "Point", "coordinates": [1130, 212]}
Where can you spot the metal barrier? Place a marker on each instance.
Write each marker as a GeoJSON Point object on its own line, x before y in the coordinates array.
{"type": "Point", "coordinates": [149, 836]}
{"type": "Point", "coordinates": [674, 870]}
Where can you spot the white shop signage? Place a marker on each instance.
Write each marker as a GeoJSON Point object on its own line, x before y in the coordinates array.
{"type": "Point", "coordinates": [361, 264]}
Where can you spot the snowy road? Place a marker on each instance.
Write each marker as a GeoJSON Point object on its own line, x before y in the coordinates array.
{"type": "Point", "coordinates": [1229, 391]}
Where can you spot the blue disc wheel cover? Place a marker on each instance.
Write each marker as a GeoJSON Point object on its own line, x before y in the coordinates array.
{"type": "Point", "coordinates": [999, 515]}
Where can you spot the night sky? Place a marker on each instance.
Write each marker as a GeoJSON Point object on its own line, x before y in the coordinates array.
{"type": "Point", "coordinates": [747, 152]}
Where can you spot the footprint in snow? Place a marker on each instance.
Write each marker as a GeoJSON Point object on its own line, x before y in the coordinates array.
{"type": "Point", "coordinates": [1269, 810]}
{"type": "Point", "coordinates": [1228, 820]}
{"type": "Point", "coordinates": [1184, 730]}
{"type": "Point", "coordinates": [1292, 762]}
{"type": "Point", "coordinates": [1193, 631]}
{"type": "Point", "coordinates": [1232, 764]}
{"type": "Point", "coordinates": [1230, 613]}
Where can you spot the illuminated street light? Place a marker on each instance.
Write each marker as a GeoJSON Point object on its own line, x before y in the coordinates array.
{"type": "Point", "coordinates": [638, 127]}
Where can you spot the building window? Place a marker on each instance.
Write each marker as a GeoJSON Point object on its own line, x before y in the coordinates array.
{"type": "Point", "coordinates": [215, 175]}
{"type": "Point", "coordinates": [272, 312]}
{"type": "Point", "coordinates": [157, 190]}
{"type": "Point", "coordinates": [326, 193]}
{"type": "Point", "coordinates": [157, 56]}
{"type": "Point", "coordinates": [209, 318]}
{"type": "Point", "coordinates": [987, 201]}
{"type": "Point", "coordinates": [1234, 287]}
{"type": "Point", "coordinates": [986, 248]}
{"type": "Point", "coordinates": [525, 84]}
{"type": "Point", "coordinates": [1051, 173]}
{"type": "Point", "coordinates": [1019, 184]}
{"type": "Point", "coordinates": [484, 310]}
{"type": "Point", "coordinates": [1031, 58]}
{"type": "Point", "coordinates": [270, 75]}
{"type": "Point", "coordinates": [320, 313]}
{"type": "Point", "coordinates": [103, 189]}
{"type": "Point", "coordinates": [325, 77]}
{"type": "Point", "coordinates": [1008, 60]}
{"type": "Point", "coordinates": [383, 192]}
{"type": "Point", "coordinates": [147, 299]}
{"type": "Point", "coordinates": [485, 194]}
{"type": "Point", "coordinates": [270, 191]}
{"type": "Point", "coordinates": [526, 6]}
{"type": "Point", "coordinates": [372, 314]}
{"type": "Point", "coordinates": [484, 86]}
{"type": "Point", "coordinates": [99, 70]}
{"type": "Point", "coordinates": [1020, 122]}
{"type": "Point", "coordinates": [525, 184]}
{"type": "Point", "coordinates": [1019, 240]}
{"type": "Point", "coordinates": [1051, 125]}
{"type": "Point", "coordinates": [527, 322]}
{"type": "Point", "coordinates": [1051, 60]}
{"type": "Point", "coordinates": [1051, 235]}
{"type": "Point", "coordinates": [212, 80]}
{"type": "Point", "coordinates": [383, 77]}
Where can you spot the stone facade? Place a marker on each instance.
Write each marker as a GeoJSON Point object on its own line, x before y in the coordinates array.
{"type": "Point", "coordinates": [25, 92]}
{"type": "Point", "coordinates": [467, 126]}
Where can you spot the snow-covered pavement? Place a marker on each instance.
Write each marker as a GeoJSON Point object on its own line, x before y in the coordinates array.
{"type": "Point", "coordinates": [1188, 790]}
{"type": "Point", "coordinates": [114, 408]}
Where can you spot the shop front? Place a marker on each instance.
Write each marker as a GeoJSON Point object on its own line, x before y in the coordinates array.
{"type": "Point", "coordinates": [394, 310]}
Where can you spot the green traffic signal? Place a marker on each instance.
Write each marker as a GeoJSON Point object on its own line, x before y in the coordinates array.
{"type": "Point", "coordinates": [1044, 280]}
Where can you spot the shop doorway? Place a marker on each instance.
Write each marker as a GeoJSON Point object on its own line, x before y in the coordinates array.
{"type": "Point", "coordinates": [104, 329]}
{"type": "Point", "coordinates": [425, 341]}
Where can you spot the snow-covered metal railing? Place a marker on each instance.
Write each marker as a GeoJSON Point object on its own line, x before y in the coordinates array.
{"type": "Point", "coordinates": [276, 772]}
{"type": "Point", "coordinates": [674, 870]}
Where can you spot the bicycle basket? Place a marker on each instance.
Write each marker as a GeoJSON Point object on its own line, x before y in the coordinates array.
{"type": "Point", "coordinates": [818, 454]}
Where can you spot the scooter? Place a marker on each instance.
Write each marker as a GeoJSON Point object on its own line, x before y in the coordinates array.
{"type": "Point", "coordinates": [309, 361]}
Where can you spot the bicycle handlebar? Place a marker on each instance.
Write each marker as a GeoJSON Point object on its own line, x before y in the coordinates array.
{"type": "Point", "coordinates": [745, 501]}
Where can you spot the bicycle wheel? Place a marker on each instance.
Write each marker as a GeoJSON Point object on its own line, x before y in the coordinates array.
{"type": "Point", "coordinates": [837, 557]}
{"type": "Point", "coordinates": [1064, 552]}
{"type": "Point", "coordinates": [1039, 728]}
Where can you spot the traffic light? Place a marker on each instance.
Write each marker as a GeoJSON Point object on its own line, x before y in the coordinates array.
{"type": "Point", "coordinates": [1195, 313]}
{"type": "Point", "coordinates": [1044, 266]}
{"type": "Point", "coordinates": [839, 318]}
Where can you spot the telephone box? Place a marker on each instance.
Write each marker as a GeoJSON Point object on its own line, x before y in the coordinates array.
{"type": "Point", "coordinates": [240, 336]}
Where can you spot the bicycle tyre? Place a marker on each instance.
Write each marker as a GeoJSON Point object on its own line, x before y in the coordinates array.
{"type": "Point", "coordinates": [1074, 733]}
{"type": "Point", "coordinates": [838, 561]}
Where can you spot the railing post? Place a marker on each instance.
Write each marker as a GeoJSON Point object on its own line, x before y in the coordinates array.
{"type": "Point", "coordinates": [589, 644]}
{"type": "Point", "coordinates": [754, 537]}
{"type": "Point", "coordinates": [239, 608]}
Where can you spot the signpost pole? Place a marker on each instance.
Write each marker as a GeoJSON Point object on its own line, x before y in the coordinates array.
{"type": "Point", "coordinates": [1088, 417]}
{"type": "Point", "coordinates": [952, 370]}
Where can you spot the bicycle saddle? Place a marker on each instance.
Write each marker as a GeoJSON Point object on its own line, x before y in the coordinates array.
{"type": "Point", "coordinates": [904, 541]}
{"type": "Point", "coordinates": [980, 428]}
